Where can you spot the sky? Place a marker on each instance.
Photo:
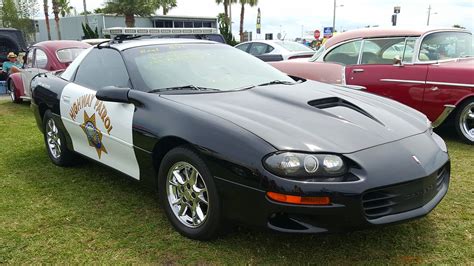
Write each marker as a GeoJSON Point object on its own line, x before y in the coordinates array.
{"type": "Point", "coordinates": [297, 17]}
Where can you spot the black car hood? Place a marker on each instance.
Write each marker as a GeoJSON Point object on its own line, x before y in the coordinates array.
{"type": "Point", "coordinates": [311, 116]}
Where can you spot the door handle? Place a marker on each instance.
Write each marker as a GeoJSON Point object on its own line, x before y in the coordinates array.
{"type": "Point", "coordinates": [357, 70]}
{"type": "Point", "coordinates": [66, 99]}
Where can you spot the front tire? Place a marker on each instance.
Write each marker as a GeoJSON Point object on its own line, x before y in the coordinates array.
{"type": "Point", "coordinates": [465, 121]}
{"type": "Point", "coordinates": [56, 142]}
{"type": "Point", "coordinates": [13, 93]}
{"type": "Point", "coordinates": [188, 194]}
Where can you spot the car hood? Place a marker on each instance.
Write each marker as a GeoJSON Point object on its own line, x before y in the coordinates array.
{"type": "Point", "coordinates": [311, 116]}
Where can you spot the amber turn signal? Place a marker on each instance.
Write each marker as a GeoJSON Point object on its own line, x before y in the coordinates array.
{"type": "Point", "coordinates": [298, 200]}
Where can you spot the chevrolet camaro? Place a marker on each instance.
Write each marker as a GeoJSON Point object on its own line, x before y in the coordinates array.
{"type": "Point", "coordinates": [223, 136]}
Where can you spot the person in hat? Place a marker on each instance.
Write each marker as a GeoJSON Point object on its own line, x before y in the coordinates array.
{"type": "Point", "coordinates": [12, 65]}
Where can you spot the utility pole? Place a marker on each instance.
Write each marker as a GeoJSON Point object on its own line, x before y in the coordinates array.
{"type": "Point", "coordinates": [429, 13]}
{"type": "Point", "coordinates": [334, 18]}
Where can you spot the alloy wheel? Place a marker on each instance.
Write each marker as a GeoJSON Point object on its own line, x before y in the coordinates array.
{"type": "Point", "coordinates": [53, 139]}
{"type": "Point", "coordinates": [466, 121]}
{"type": "Point", "coordinates": [187, 194]}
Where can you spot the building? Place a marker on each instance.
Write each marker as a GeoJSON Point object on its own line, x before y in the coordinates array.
{"type": "Point", "coordinates": [71, 28]}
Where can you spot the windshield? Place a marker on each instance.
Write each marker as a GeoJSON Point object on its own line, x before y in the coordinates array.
{"type": "Point", "coordinates": [294, 47]}
{"type": "Point", "coordinates": [69, 54]}
{"type": "Point", "coordinates": [212, 66]}
{"type": "Point", "coordinates": [446, 45]}
{"type": "Point", "coordinates": [318, 53]}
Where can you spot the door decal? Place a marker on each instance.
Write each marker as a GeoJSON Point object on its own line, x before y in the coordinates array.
{"type": "Point", "coordinates": [94, 136]}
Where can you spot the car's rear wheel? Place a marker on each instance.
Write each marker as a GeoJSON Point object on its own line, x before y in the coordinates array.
{"type": "Point", "coordinates": [465, 121]}
{"type": "Point", "coordinates": [188, 194]}
{"type": "Point", "coordinates": [56, 142]}
{"type": "Point", "coordinates": [13, 93]}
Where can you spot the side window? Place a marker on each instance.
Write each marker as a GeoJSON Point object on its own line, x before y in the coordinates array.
{"type": "Point", "coordinates": [258, 48]}
{"type": "Point", "coordinates": [41, 60]}
{"type": "Point", "coordinates": [102, 67]}
{"type": "Point", "coordinates": [382, 51]}
{"type": "Point", "coordinates": [346, 54]}
{"type": "Point", "coordinates": [243, 47]}
{"type": "Point", "coordinates": [409, 50]}
{"type": "Point", "coordinates": [29, 59]}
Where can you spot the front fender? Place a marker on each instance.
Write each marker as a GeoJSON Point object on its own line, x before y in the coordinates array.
{"type": "Point", "coordinates": [17, 81]}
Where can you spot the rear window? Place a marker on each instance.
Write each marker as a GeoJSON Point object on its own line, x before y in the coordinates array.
{"type": "Point", "coordinates": [294, 47]}
{"type": "Point", "coordinates": [69, 54]}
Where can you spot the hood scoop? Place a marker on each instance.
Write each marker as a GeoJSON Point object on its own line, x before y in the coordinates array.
{"type": "Point", "coordinates": [333, 102]}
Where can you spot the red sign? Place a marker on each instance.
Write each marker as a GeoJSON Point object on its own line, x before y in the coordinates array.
{"type": "Point", "coordinates": [317, 34]}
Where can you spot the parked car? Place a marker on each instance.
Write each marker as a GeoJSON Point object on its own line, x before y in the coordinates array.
{"type": "Point", "coordinates": [11, 40]}
{"type": "Point", "coordinates": [42, 57]}
{"type": "Point", "coordinates": [429, 70]}
{"type": "Point", "coordinates": [270, 51]}
{"type": "Point", "coordinates": [222, 134]}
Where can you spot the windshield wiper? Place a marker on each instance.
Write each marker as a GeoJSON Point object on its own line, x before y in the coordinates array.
{"type": "Point", "coordinates": [274, 82]}
{"type": "Point", "coordinates": [185, 87]}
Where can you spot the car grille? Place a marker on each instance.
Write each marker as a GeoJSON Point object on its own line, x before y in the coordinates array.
{"type": "Point", "coordinates": [404, 197]}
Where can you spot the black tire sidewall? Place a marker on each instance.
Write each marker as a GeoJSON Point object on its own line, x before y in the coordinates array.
{"type": "Point", "coordinates": [211, 226]}
{"type": "Point", "coordinates": [457, 120]}
{"type": "Point", "coordinates": [67, 157]}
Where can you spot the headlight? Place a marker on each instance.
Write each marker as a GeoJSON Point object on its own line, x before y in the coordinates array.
{"type": "Point", "coordinates": [292, 164]}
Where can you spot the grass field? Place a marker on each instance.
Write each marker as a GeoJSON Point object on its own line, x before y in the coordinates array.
{"type": "Point", "coordinates": [91, 214]}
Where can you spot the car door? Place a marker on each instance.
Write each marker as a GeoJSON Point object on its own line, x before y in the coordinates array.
{"type": "Point", "coordinates": [379, 74]}
{"type": "Point", "coordinates": [36, 62]}
{"type": "Point", "coordinates": [262, 51]}
{"type": "Point", "coordinates": [100, 130]}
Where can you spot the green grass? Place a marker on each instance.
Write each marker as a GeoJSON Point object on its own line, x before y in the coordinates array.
{"type": "Point", "coordinates": [90, 214]}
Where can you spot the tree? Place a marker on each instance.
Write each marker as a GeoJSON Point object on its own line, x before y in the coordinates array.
{"type": "Point", "coordinates": [46, 18]}
{"type": "Point", "coordinates": [167, 5]}
{"type": "Point", "coordinates": [242, 15]}
{"type": "Point", "coordinates": [64, 7]}
{"type": "Point", "coordinates": [224, 29]}
{"type": "Point", "coordinates": [9, 14]}
{"type": "Point", "coordinates": [226, 3]}
{"type": "Point", "coordinates": [130, 8]}
{"type": "Point", "coordinates": [56, 17]}
{"type": "Point", "coordinates": [19, 16]}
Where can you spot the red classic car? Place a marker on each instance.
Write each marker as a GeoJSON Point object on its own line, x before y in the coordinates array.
{"type": "Point", "coordinates": [42, 57]}
{"type": "Point", "coordinates": [429, 70]}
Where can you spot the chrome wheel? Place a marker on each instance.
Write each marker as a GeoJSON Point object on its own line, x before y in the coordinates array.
{"type": "Point", "coordinates": [187, 194]}
{"type": "Point", "coordinates": [53, 139]}
{"type": "Point", "coordinates": [466, 121]}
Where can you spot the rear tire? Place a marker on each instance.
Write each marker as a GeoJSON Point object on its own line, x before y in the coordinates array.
{"type": "Point", "coordinates": [13, 93]}
{"type": "Point", "coordinates": [188, 194]}
{"type": "Point", "coordinates": [464, 121]}
{"type": "Point", "coordinates": [56, 142]}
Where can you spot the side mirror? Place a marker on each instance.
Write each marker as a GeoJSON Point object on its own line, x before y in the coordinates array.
{"type": "Point", "coordinates": [397, 61]}
{"type": "Point", "coordinates": [113, 94]}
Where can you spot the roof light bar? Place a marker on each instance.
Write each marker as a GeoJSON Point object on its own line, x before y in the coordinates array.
{"type": "Point", "coordinates": [157, 31]}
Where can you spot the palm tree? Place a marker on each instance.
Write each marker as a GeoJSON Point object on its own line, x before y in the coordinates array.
{"type": "Point", "coordinates": [242, 14]}
{"type": "Point", "coordinates": [56, 17]}
{"type": "Point", "coordinates": [46, 18]}
{"type": "Point", "coordinates": [166, 5]}
{"type": "Point", "coordinates": [226, 3]}
{"type": "Point", "coordinates": [85, 11]}
{"type": "Point", "coordinates": [64, 7]}
{"type": "Point", "coordinates": [130, 8]}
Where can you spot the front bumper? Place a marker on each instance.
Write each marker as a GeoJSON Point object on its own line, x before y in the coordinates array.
{"type": "Point", "coordinates": [392, 188]}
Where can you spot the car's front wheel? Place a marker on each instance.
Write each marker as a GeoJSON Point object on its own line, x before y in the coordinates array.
{"type": "Point", "coordinates": [56, 142]}
{"type": "Point", "coordinates": [465, 121]}
{"type": "Point", "coordinates": [188, 194]}
{"type": "Point", "coordinates": [13, 93]}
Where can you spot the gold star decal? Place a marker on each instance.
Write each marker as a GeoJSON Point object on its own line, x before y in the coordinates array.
{"type": "Point", "coordinates": [94, 136]}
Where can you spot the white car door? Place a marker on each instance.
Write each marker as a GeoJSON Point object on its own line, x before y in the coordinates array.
{"type": "Point", "coordinates": [100, 130]}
